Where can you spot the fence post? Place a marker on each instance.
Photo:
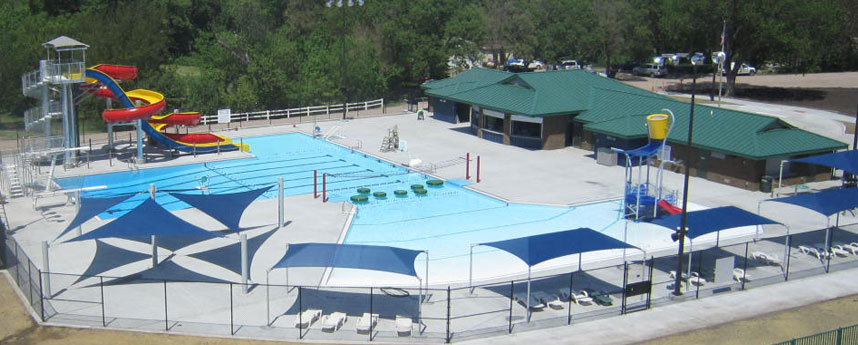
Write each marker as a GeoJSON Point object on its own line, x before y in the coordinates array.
{"type": "Point", "coordinates": [569, 312]}
{"type": "Point", "coordinates": [625, 283]}
{"type": "Point", "coordinates": [166, 317]}
{"type": "Point", "coordinates": [231, 317]}
{"type": "Point", "coordinates": [371, 324]}
{"type": "Point", "coordinates": [787, 256]}
{"type": "Point", "coordinates": [383, 109]}
{"type": "Point", "coordinates": [745, 265]}
{"type": "Point", "coordinates": [300, 311]}
{"type": "Point", "coordinates": [448, 314]}
{"type": "Point", "coordinates": [839, 340]}
{"type": "Point", "coordinates": [101, 286]}
{"type": "Point", "coordinates": [41, 297]}
{"type": "Point", "coordinates": [511, 292]}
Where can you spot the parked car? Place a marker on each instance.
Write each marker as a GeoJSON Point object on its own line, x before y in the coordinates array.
{"type": "Point", "coordinates": [516, 65]}
{"type": "Point", "coordinates": [650, 70]}
{"type": "Point", "coordinates": [745, 69]}
{"type": "Point", "coordinates": [570, 64]}
{"type": "Point", "coordinates": [536, 65]}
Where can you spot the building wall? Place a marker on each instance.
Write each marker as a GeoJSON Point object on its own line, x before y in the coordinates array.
{"type": "Point", "coordinates": [554, 132]}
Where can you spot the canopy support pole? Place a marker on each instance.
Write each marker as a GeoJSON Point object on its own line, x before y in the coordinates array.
{"type": "Point", "coordinates": [244, 267]}
{"type": "Point", "coordinates": [280, 201]}
{"type": "Point", "coordinates": [267, 299]}
{"type": "Point", "coordinates": [625, 238]}
{"type": "Point", "coordinates": [690, 255]}
{"type": "Point", "coordinates": [152, 191]}
{"type": "Point", "coordinates": [780, 178]}
{"type": "Point", "coordinates": [140, 158]}
{"type": "Point", "coordinates": [77, 210]}
{"type": "Point", "coordinates": [528, 293]}
{"type": "Point", "coordinates": [154, 251]}
{"type": "Point", "coordinates": [471, 270]}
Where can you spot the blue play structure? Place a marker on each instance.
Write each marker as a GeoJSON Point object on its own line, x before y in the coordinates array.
{"type": "Point", "coordinates": [642, 197]}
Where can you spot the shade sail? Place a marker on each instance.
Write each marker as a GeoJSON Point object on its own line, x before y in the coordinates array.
{"type": "Point", "coordinates": [843, 160]}
{"type": "Point", "coordinates": [91, 207]}
{"type": "Point", "coordinates": [226, 208]}
{"type": "Point", "coordinates": [169, 271]}
{"type": "Point", "coordinates": [377, 258]}
{"type": "Point", "coordinates": [108, 257]}
{"type": "Point", "coordinates": [647, 150]}
{"type": "Point", "coordinates": [144, 221]}
{"type": "Point", "coordinates": [229, 256]}
{"type": "Point", "coordinates": [702, 222]}
{"type": "Point", "coordinates": [826, 202]}
{"type": "Point", "coordinates": [538, 248]}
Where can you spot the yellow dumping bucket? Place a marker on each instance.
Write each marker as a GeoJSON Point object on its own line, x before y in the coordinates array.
{"type": "Point", "coordinates": [658, 126]}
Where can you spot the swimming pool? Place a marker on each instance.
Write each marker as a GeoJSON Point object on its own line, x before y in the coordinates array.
{"type": "Point", "coordinates": [445, 222]}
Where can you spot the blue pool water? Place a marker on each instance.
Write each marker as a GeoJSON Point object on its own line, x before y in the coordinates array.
{"type": "Point", "coordinates": [445, 222]}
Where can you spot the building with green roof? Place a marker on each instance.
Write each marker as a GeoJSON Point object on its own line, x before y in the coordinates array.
{"type": "Point", "coordinates": [555, 109]}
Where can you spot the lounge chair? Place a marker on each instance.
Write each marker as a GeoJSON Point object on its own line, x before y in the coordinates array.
{"type": "Point", "coordinates": [546, 299]}
{"type": "Point", "coordinates": [582, 298]}
{"type": "Point", "coordinates": [404, 325]}
{"type": "Point", "coordinates": [834, 251]}
{"type": "Point", "coordinates": [810, 251]}
{"type": "Point", "coordinates": [768, 259]}
{"type": "Point", "coordinates": [695, 278]}
{"type": "Point", "coordinates": [599, 297]}
{"type": "Point", "coordinates": [739, 275]}
{"type": "Point", "coordinates": [535, 303]}
{"type": "Point", "coordinates": [847, 248]}
{"type": "Point", "coordinates": [366, 323]}
{"type": "Point", "coordinates": [307, 318]}
{"type": "Point", "coordinates": [334, 321]}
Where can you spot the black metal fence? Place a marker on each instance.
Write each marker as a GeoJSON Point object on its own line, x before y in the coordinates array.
{"type": "Point", "coordinates": [840, 336]}
{"type": "Point", "coordinates": [416, 315]}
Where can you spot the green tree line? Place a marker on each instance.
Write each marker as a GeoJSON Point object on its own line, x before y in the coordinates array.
{"type": "Point", "coordinates": [266, 54]}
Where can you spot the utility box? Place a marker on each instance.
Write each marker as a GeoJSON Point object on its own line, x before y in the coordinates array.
{"type": "Point", "coordinates": [606, 156]}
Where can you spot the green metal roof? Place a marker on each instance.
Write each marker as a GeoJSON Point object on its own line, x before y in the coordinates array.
{"type": "Point", "coordinates": [727, 131]}
{"type": "Point", "coordinates": [614, 108]}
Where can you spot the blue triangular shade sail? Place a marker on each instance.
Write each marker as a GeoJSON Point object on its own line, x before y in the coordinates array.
{"type": "Point", "coordinates": [108, 257]}
{"type": "Point", "coordinates": [226, 208]}
{"type": "Point", "coordinates": [229, 256]}
{"type": "Point", "coordinates": [647, 150]}
{"type": "Point", "coordinates": [702, 222]}
{"type": "Point", "coordinates": [169, 271]}
{"type": "Point", "coordinates": [90, 207]}
{"type": "Point", "coordinates": [826, 202]}
{"type": "Point", "coordinates": [144, 221]}
{"type": "Point", "coordinates": [377, 258]}
{"type": "Point", "coordinates": [843, 160]}
{"type": "Point", "coordinates": [538, 248]}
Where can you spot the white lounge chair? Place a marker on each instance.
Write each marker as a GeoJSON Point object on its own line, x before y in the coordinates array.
{"type": "Point", "coordinates": [835, 250]}
{"type": "Point", "coordinates": [334, 321]}
{"type": "Point", "coordinates": [552, 301]}
{"type": "Point", "coordinates": [403, 326]}
{"type": "Point", "coordinates": [582, 298]}
{"type": "Point", "coordinates": [847, 248]}
{"type": "Point", "coordinates": [739, 274]}
{"type": "Point", "coordinates": [307, 317]}
{"type": "Point", "coordinates": [810, 251]}
{"type": "Point", "coordinates": [768, 259]}
{"type": "Point", "coordinates": [695, 278]}
{"type": "Point", "coordinates": [366, 323]}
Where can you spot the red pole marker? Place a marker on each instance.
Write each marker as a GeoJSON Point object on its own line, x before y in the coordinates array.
{"type": "Point", "coordinates": [324, 187]}
{"type": "Point", "coordinates": [478, 169]}
{"type": "Point", "coordinates": [468, 166]}
{"type": "Point", "coordinates": [315, 185]}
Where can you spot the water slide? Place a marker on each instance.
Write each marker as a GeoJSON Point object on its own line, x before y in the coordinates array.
{"type": "Point", "coordinates": [669, 207]}
{"type": "Point", "coordinates": [143, 104]}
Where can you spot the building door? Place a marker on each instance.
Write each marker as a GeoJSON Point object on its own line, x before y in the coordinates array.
{"type": "Point", "coordinates": [703, 164]}
{"type": "Point", "coordinates": [574, 131]}
{"type": "Point", "coordinates": [463, 112]}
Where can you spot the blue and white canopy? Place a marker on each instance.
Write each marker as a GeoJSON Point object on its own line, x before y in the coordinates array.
{"type": "Point", "coordinates": [539, 248]}
{"type": "Point", "coordinates": [377, 258]}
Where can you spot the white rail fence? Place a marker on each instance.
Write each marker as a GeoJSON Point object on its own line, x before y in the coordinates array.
{"type": "Point", "coordinates": [327, 110]}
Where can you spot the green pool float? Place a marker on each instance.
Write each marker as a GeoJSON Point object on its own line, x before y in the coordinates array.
{"type": "Point", "coordinates": [400, 193]}
{"type": "Point", "coordinates": [359, 198]}
{"type": "Point", "coordinates": [435, 183]}
{"type": "Point", "coordinates": [420, 191]}
{"type": "Point", "coordinates": [417, 186]}
{"type": "Point", "coordinates": [379, 194]}
{"type": "Point", "coordinates": [363, 190]}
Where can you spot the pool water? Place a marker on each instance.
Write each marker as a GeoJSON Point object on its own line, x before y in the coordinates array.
{"type": "Point", "coordinates": [445, 222]}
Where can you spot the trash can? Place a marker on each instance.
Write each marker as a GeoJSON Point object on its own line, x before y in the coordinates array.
{"type": "Point", "coordinates": [766, 184]}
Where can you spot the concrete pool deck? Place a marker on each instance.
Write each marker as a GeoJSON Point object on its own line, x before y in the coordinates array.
{"type": "Point", "coordinates": [564, 177]}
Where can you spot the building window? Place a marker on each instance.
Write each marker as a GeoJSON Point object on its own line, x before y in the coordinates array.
{"type": "Point", "coordinates": [493, 124]}
{"type": "Point", "coordinates": [527, 129]}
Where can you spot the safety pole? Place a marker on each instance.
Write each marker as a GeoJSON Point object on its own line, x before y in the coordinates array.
{"type": "Point", "coordinates": [468, 166]}
{"type": "Point", "coordinates": [478, 169]}
{"type": "Point", "coordinates": [243, 264]}
{"type": "Point", "coordinates": [315, 184]}
{"type": "Point", "coordinates": [324, 187]}
{"type": "Point", "coordinates": [280, 202]}
{"type": "Point", "coordinates": [152, 191]}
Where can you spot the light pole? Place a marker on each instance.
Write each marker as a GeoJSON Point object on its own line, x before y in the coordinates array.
{"type": "Point", "coordinates": [344, 73]}
{"type": "Point", "coordinates": [683, 229]}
